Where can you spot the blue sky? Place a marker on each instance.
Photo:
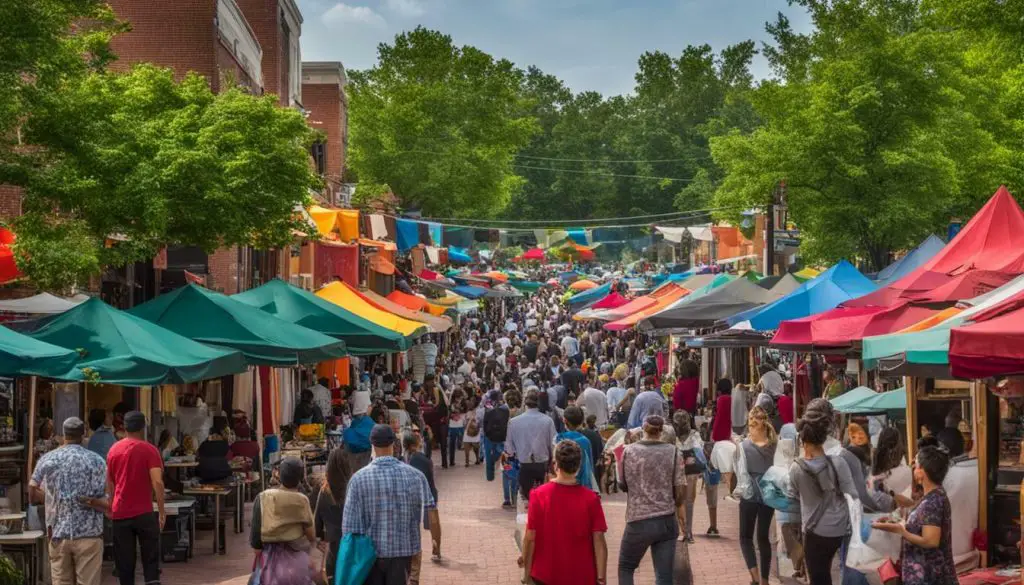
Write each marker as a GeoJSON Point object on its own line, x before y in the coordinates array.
{"type": "Point", "coordinates": [590, 44]}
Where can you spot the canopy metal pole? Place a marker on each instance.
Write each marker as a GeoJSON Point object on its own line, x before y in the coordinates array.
{"type": "Point", "coordinates": [259, 423]}
{"type": "Point", "coordinates": [31, 427]}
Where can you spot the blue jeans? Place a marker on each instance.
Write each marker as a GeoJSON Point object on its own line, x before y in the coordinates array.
{"type": "Point", "coordinates": [509, 483]}
{"type": "Point", "coordinates": [492, 454]}
{"type": "Point", "coordinates": [454, 442]}
{"type": "Point", "coordinates": [850, 576]}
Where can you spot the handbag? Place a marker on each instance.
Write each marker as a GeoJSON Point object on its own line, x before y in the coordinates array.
{"type": "Point", "coordinates": [356, 556]}
{"type": "Point", "coordinates": [889, 573]}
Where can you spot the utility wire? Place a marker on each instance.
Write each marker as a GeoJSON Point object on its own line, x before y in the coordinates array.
{"type": "Point", "coordinates": [588, 160]}
{"type": "Point", "coordinates": [697, 212]}
{"type": "Point", "coordinates": [600, 174]}
{"type": "Point", "coordinates": [555, 225]}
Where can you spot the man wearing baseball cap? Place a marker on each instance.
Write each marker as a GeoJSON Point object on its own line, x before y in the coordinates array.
{"type": "Point", "coordinates": [75, 479]}
{"type": "Point", "coordinates": [135, 470]}
{"type": "Point", "coordinates": [386, 501]}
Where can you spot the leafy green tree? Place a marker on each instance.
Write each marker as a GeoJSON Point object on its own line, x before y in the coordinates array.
{"type": "Point", "coordinates": [876, 126]}
{"type": "Point", "coordinates": [153, 162]}
{"type": "Point", "coordinates": [38, 56]}
{"type": "Point", "coordinates": [440, 124]}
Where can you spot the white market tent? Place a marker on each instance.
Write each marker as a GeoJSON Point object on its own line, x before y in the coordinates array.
{"type": "Point", "coordinates": [41, 304]}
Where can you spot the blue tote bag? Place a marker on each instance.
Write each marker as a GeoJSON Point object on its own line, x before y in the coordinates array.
{"type": "Point", "coordinates": [356, 556]}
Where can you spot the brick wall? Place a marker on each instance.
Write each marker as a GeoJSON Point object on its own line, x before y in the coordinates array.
{"type": "Point", "coordinates": [224, 270]}
{"type": "Point", "coordinates": [230, 71]}
{"type": "Point", "coordinates": [326, 114]}
{"type": "Point", "coordinates": [180, 34]}
{"type": "Point", "coordinates": [10, 202]}
{"type": "Point", "coordinates": [264, 17]}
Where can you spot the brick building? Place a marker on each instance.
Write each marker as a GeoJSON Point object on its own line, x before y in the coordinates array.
{"type": "Point", "coordinates": [216, 39]}
{"type": "Point", "coordinates": [323, 97]}
{"type": "Point", "coordinates": [277, 25]}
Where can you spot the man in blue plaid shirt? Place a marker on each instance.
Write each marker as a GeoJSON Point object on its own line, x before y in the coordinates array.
{"type": "Point", "coordinates": [386, 501]}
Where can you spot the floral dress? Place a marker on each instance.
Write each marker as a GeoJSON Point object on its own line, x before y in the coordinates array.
{"type": "Point", "coordinates": [934, 566]}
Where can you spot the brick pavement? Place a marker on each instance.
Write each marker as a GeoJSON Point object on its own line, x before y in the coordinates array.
{"type": "Point", "coordinates": [478, 543]}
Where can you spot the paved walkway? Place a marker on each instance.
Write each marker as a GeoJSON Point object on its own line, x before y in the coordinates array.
{"type": "Point", "coordinates": [478, 543]}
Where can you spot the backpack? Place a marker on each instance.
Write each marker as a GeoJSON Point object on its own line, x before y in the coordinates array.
{"type": "Point", "coordinates": [829, 495]}
{"type": "Point", "coordinates": [472, 429]}
{"type": "Point", "coordinates": [496, 425]}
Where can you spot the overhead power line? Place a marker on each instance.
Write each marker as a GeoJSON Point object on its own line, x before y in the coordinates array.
{"type": "Point", "coordinates": [600, 174]}
{"type": "Point", "coordinates": [602, 161]}
{"type": "Point", "coordinates": [589, 222]}
{"type": "Point", "coordinates": [557, 225]}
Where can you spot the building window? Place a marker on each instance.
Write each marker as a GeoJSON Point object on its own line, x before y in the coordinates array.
{"type": "Point", "coordinates": [319, 153]}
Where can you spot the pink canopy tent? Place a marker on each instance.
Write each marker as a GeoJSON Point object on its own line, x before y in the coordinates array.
{"type": "Point", "coordinates": [838, 328]}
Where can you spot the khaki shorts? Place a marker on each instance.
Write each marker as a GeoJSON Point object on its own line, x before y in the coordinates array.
{"type": "Point", "coordinates": [76, 561]}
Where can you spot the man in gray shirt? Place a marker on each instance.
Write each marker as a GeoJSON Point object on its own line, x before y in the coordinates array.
{"type": "Point", "coordinates": [531, 436]}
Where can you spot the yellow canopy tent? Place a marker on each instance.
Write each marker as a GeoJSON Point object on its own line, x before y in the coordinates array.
{"type": "Point", "coordinates": [349, 299]}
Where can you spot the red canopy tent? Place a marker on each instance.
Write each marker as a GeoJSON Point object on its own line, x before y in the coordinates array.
{"type": "Point", "coordinates": [840, 327]}
{"type": "Point", "coordinates": [612, 301]}
{"type": "Point", "coordinates": [986, 254]}
{"type": "Point", "coordinates": [992, 345]}
{"type": "Point", "coordinates": [639, 303]}
{"type": "Point", "coordinates": [533, 254]}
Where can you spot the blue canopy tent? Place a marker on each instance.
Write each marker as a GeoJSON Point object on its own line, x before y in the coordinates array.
{"type": "Point", "coordinates": [587, 297]}
{"type": "Point", "coordinates": [470, 292]}
{"type": "Point", "coordinates": [826, 291]}
{"type": "Point", "coordinates": [460, 255]}
{"type": "Point", "coordinates": [911, 262]}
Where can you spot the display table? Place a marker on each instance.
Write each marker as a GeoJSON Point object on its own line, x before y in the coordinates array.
{"type": "Point", "coordinates": [178, 508]}
{"type": "Point", "coordinates": [217, 495]}
{"type": "Point", "coordinates": [27, 543]}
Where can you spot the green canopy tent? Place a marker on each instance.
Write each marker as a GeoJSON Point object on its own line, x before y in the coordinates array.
{"type": "Point", "coordinates": [894, 401]}
{"type": "Point", "coordinates": [21, 355]}
{"type": "Point", "coordinates": [852, 397]}
{"type": "Point", "coordinates": [301, 307]}
{"type": "Point", "coordinates": [215, 319]}
{"type": "Point", "coordinates": [123, 349]}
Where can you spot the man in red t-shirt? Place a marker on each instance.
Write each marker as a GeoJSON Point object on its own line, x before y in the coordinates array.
{"type": "Point", "coordinates": [134, 477]}
{"type": "Point", "coordinates": [564, 542]}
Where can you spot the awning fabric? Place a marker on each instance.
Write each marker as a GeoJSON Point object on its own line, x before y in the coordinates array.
{"type": "Point", "coordinates": [40, 304]}
{"type": "Point", "coordinates": [852, 396]}
{"type": "Point", "coordinates": [533, 254]}
{"type": "Point", "coordinates": [914, 259]}
{"type": "Point", "coordinates": [408, 234]}
{"type": "Point", "coordinates": [301, 307]}
{"type": "Point", "coordinates": [349, 299]}
{"type": "Point", "coordinates": [582, 285]}
{"type": "Point", "coordinates": [8, 265]}
{"type": "Point", "coordinates": [663, 297]}
{"type": "Point", "coordinates": [434, 324]}
{"type": "Point", "coordinates": [987, 253]}
{"type": "Point", "coordinates": [585, 298]}
{"type": "Point", "coordinates": [124, 349]}
{"type": "Point", "coordinates": [930, 347]}
{"type": "Point", "coordinates": [21, 355]}
{"type": "Point", "coordinates": [841, 327]}
{"type": "Point", "coordinates": [836, 285]}
{"type": "Point", "coordinates": [704, 311]}
{"type": "Point", "coordinates": [611, 301]}
{"type": "Point", "coordinates": [215, 319]}
{"type": "Point", "coordinates": [991, 347]}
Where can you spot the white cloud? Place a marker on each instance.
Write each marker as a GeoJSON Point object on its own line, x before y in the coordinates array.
{"type": "Point", "coordinates": [406, 8]}
{"type": "Point", "coordinates": [342, 14]}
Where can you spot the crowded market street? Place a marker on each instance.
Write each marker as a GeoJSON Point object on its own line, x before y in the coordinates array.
{"type": "Point", "coordinates": [479, 545]}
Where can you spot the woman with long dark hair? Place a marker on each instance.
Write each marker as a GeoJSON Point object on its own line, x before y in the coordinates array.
{"type": "Point", "coordinates": [329, 506]}
{"type": "Point", "coordinates": [820, 482]}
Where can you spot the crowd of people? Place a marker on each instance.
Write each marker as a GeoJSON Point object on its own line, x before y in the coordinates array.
{"type": "Point", "coordinates": [561, 413]}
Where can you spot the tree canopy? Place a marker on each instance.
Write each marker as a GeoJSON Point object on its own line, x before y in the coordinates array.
{"type": "Point", "coordinates": [152, 162]}
{"type": "Point", "coordinates": [877, 126]}
{"type": "Point", "coordinates": [439, 124]}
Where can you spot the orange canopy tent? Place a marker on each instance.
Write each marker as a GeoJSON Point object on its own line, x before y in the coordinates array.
{"type": "Point", "coordinates": [581, 285]}
{"type": "Point", "coordinates": [415, 303]}
{"type": "Point", "coordinates": [669, 296]}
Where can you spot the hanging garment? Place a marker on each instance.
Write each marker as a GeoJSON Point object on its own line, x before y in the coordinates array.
{"type": "Point", "coordinates": [378, 227]}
